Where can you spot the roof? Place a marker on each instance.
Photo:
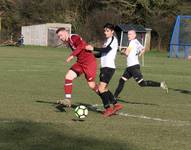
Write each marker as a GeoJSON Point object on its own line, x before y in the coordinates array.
{"type": "Point", "coordinates": [127, 27]}
{"type": "Point", "coordinates": [50, 25]}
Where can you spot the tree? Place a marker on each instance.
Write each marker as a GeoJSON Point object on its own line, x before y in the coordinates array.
{"type": "Point", "coordinates": [93, 27]}
{"type": "Point", "coordinates": [160, 16]}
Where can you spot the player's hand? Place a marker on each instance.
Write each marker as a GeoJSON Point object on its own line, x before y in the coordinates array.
{"type": "Point", "coordinates": [69, 58]}
{"type": "Point", "coordinates": [141, 53]}
{"type": "Point", "coordinates": [126, 52]}
{"type": "Point", "coordinates": [89, 47]}
{"type": "Point", "coordinates": [123, 51]}
{"type": "Point", "coordinates": [189, 57]}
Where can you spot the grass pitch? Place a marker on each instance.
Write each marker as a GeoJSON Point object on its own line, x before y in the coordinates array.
{"type": "Point", "coordinates": [31, 80]}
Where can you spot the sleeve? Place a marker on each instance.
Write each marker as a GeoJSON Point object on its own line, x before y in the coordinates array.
{"type": "Point", "coordinates": [97, 55]}
{"type": "Point", "coordinates": [103, 50]}
{"type": "Point", "coordinates": [78, 43]}
{"type": "Point", "coordinates": [107, 48]}
{"type": "Point", "coordinates": [140, 46]}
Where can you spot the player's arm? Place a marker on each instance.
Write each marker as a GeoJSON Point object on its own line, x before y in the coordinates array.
{"type": "Point", "coordinates": [80, 46]}
{"type": "Point", "coordinates": [126, 51]}
{"type": "Point", "coordinates": [140, 48]}
{"type": "Point", "coordinates": [91, 48]}
{"type": "Point", "coordinates": [69, 58]}
{"type": "Point", "coordinates": [101, 50]}
{"type": "Point", "coordinates": [142, 52]}
{"type": "Point", "coordinates": [104, 49]}
{"type": "Point", "coordinates": [75, 52]}
{"type": "Point", "coordinates": [97, 55]}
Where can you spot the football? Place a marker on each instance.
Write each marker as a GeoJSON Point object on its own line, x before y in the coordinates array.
{"type": "Point", "coordinates": [81, 111]}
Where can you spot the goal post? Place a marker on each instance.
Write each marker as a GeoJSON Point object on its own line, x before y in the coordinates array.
{"type": "Point", "coordinates": [180, 44]}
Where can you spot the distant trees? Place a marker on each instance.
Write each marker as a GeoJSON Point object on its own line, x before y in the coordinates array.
{"type": "Point", "coordinates": [88, 16]}
{"type": "Point", "coordinates": [160, 16]}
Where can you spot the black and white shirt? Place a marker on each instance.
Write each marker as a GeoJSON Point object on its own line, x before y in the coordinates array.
{"type": "Point", "coordinates": [108, 52]}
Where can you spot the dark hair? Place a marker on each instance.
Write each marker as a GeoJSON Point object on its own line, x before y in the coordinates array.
{"type": "Point", "coordinates": [109, 26]}
{"type": "Point", "coordinates": [60, 29]}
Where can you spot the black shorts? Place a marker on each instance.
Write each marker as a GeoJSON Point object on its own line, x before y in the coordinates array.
{"type": "Point", "coordinates": [106, 74]}
{"type": "Point", "coordinates": [133, 71]}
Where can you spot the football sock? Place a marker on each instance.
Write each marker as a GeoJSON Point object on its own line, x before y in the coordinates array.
{"type": "Point", "coordinates": [119, 88]}
{"type": "Point", "coordinates": [111, 98]}
{"type": "Point", "coordinates": [149, 83]}
{"type": "Point", "coordinates": [68, 88]}
{"type": "Point", "coordinates": [105, 99]}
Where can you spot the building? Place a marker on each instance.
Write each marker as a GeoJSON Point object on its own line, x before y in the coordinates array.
{"type": "Point", "coordinates": [143, 35]}
{"type": "Point", "coordinates": [43, 34]}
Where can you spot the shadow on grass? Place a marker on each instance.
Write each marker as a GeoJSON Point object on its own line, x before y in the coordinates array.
{"type": "Point", "coordinates": [90, 107]}
{"type": "Point", "coordinates": [61, 108]}
{"type": "Point", "coordinates": [136, 103]}
{"type": "Point", "coordinates": [21, 135]}
{"type": "Point", "coordinates": [181, 91]}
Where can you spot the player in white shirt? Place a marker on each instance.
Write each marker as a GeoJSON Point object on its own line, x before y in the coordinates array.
{"type": "Point", "coordinates": [133, 51]}
{"type": "Point", "coordinates": [108, 54]}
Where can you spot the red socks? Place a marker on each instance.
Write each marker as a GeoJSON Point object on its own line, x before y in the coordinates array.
{"type": "Point", "coordinates": [68, 88]}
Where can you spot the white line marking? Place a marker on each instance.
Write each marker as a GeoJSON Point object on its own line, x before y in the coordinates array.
{"type": "Point", "coordinates": [145, 117]}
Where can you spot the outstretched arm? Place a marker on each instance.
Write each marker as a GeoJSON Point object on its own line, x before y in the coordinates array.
{"type": "Point", "coordinates": [79, 48]}
{"type": "Point", "coordinates": [101, 50]}
{"type": "Point", "coordinates": [77, 42]}
{"type": "Point", "coordinates": [126, 51]}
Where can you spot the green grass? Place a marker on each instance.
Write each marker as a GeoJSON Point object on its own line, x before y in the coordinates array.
{"type": "Point", "coordinates": [31, 80]}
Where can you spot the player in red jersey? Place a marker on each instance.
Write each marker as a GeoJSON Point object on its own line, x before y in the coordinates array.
{"type": "Point", "coordinates": [86, 63]}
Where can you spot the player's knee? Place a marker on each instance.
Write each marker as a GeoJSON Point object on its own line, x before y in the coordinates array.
{"type": "Point", "coordinates": [101, 88]}
{"type": "Point", "coordinates": [122, 80]}
{"type": "Point", "coordinates": [92, 85]}
{"type": "Point", "coordinates": [70, 75]}
{"type": "Point", "coordinates": [142, 83]}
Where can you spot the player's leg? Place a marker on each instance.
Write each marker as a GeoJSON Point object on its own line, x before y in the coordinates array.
{"type": "Point", "coordinates": [126, 75]}
{"type": "Point", "coordinates": [90, 74]}
{"type": "Point", "coordinates": [103, 91]}
{"type": "Point", "coordinates": [74, 71]}
{"type": "Point", "coordinates": [144, 83]}
{"type": "Point", "coordinates": [120, 86]}
{"type": "Point", "coordinates": [70, 76]}
{"type": "Point", "coordinates": [105, 94]}
{"type": "Point", "coordinates": [147, 83]}
{"type": "Point", "coordinates": [92, 85]}
{"type": "Point", "coordinates": [137, 75]}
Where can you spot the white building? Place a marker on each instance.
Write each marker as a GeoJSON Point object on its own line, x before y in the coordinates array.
{"type": "Point", "coordinates": [43, 34]}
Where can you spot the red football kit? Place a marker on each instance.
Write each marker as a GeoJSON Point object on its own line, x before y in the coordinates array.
{"type": "Point", "coordinates": [86, 61]}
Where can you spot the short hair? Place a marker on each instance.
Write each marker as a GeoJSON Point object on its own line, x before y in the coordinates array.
{"type": "Point", "coordinates": [109, 26]}
{"type": "Point", "coordinates": [60, 29]}
{"type": "Point", "coordinates": [132, 30]}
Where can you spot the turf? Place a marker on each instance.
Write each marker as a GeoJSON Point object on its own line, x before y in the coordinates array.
{"type": "Point", "coordinates": [31, 80]}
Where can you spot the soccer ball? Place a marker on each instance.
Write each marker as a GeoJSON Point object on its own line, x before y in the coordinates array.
{"type": "Point", "coordinates": [81, 111]}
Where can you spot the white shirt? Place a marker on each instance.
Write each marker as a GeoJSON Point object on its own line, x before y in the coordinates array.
{"type": "Point", "coordinates": [135, 48]}
{"type": "Point", "coordinates": [108, 59]}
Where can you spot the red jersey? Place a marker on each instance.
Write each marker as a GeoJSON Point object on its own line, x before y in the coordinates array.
{"type": "Point", "coordinates": [78, 45]}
